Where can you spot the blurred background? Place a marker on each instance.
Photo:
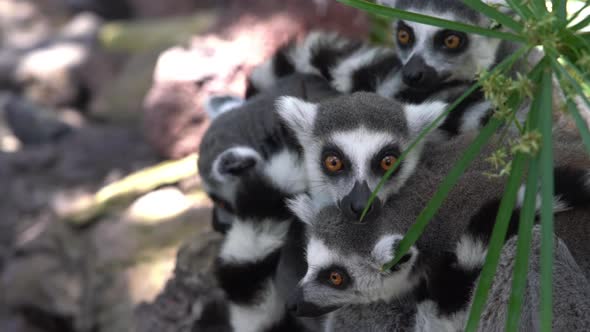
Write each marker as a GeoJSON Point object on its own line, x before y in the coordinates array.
{"type": "Point", "coordinates": [100, 123]}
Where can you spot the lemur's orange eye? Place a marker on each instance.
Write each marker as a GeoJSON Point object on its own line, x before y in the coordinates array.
{"type": "Point", "coordinates": [452, 41]}
{"type": "Point", "coordinates": [387, 162]}
{"type": "Point", "coordinates": [403, 36]}
{"type": "Point", "coordinates": [333, 163]}
{"type": "Point", "coordinates": [336, 279]}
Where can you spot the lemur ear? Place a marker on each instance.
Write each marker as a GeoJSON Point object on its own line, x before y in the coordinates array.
{"type": "Point", "coordinates": [298, 115]}
{"type": "Point", "coordinates": [216, 105]}
{"type": "Point", "coordinates": [420, 116]}
{"type": "Point", "coordinates": [303, 208]}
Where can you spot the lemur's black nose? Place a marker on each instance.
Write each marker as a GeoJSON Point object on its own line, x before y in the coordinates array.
{"type": "Point", "coordinates": [417, 74]}
{"type": "Point", "coordinates": [356, 201]}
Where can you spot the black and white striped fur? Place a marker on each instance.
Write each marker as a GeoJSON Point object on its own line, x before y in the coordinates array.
{"type": "Point", "coordinates": [250, 164]}
{"type": "Point", "coordinates": [437, 280]}
{"type": "Point", "coordinates": [351, 66]}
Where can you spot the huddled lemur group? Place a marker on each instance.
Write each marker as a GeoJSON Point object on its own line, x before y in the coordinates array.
{"type": "Point", "coordinates": [291, 168]}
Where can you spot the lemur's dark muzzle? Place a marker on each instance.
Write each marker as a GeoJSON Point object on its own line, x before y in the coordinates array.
{"type": "Point", "coordinates": [356, 201]}
{"type": "Point", "coordinates": [297, 305]}
{"type": "Point", "coordinates": [417, 74]}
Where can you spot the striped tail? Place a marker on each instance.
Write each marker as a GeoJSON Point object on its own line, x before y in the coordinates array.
{"type": "Point", "coordinates": [348, 65]}
{"type": "Point", "coordinates": [455, 284]}
{"type": "Point", "coordinates": [246, 269]}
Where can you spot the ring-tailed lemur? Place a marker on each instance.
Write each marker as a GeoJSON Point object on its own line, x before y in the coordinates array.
{"type": "Point", "coordinates": [351, 66]}
{"type": "Point", "coordinates": [350, 142]}
{"type": "Point", "coordinates": [250, 163]}
{"type": "Point", "coordinates": [430, 63]}
{"type": "Point", "coordinates": [437, 274]}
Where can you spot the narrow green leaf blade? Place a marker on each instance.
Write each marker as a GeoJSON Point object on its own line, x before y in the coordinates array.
{"type": "Point", "coordinates": [572, 108]}
{"type": "Point", "coordinates": [496, 242]}
{"type": "Point", "coordinates": [415, 143]}
{"type": "Point", "coordinates": [559, 8]}
{"type": "Point", "coordinates": [521, 9]}
{"type": "Point", "coordinates": [405, 15]}
{"type": "Point", "coordinates": [506, 63]}
{"type": "Point", "coordinates": [527, 218]}
{"type": "Point", "coordinates": [443, 190]}
{"type": "Point", "coordinates": [494, 14]}
{"type": "Point", "coordinates": [539, 7]}
{"type": "Point", "coordinates": [523, 249]}
{"type": "Point", "coordinates": [546, 170]}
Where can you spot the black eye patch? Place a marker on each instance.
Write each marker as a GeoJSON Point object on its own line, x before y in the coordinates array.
{"type": "Point", "coordinates": [381, 162]}
{"type": "Point", "coordinates": [404, 35]}
{"type": "Point", "coordinates": [335, 277]}
{"type": "Point", "coordinates": [333, 161]}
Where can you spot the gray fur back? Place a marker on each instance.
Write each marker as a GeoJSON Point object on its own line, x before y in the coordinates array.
{"type": "Point", "coordinates": [571, 291]}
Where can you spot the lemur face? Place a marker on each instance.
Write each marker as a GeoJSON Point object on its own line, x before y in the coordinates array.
{"type": "Point", "coordinates": [247, 164]}
{"type": "Point", "coordinates": [350, 142]}
{"type": "Point", "coordinates": [432, 56]}
{"type": "Point", "coordinates": [344, 262]}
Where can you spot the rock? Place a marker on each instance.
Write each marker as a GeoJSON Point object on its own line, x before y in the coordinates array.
{"type": "Point", "coordinates": [82, 28]}
{"type": "Point", "coordinates": [120, 101]}
{"type": "Point", "coordinates": [191, 301]}
{"type": "Point", "coordinates": [91, 153]}
{"type": "Point", "coordinates": [173, 119]}
{"type": "Point", "coordinates": [9, 60]}
{"type": "Point", "coordinates": [31, 124]}
{"type": "Point", "coordinates": [49, 72]}
{"type": "Point", "coordinates": [47, 76]}
{"type": "Point", "coordinates": [22, 24]}
{"type": "Point", "coordinates": [53, 301]}
{"type": "Point", "coordinates": [155, 8]}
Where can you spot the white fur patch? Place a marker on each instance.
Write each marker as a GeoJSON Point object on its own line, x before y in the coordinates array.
{"type": "Point", "coordinates": [390, 85]}
{"type": "Point", "coordinates": [471, 253]}
{"type": "Point", "coordinates": [299, 115]}
{"type": "Point", "coordinates": [360, 146]}
{"type": "Point", "coordinates": [301, 55]}
{"type": "Point", "coordinates": [342, 74]}
{"type": "Point", "coordinates": [383, 250]}
{"type": "Point", "coordinates": [303, 207]}
{"type": "Point", "coordinates": [249, 241]}
{"type": "Point", "coordinates": [394, 284]}
{"type": "Point", "coordinates": [472, 119]}
{"type": "Point", "coordinates": [318, 256]}
{"type": "Point", "coordinates": [421, 115]}
{"type": "Point", "coordinates": [256, 318]}
{"type": "Point", "coordinates": [428, 319]}
{"type": "Point", "coordinates": [286, 171]}
{"type": "Point", "coordinates": [558, 204]}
